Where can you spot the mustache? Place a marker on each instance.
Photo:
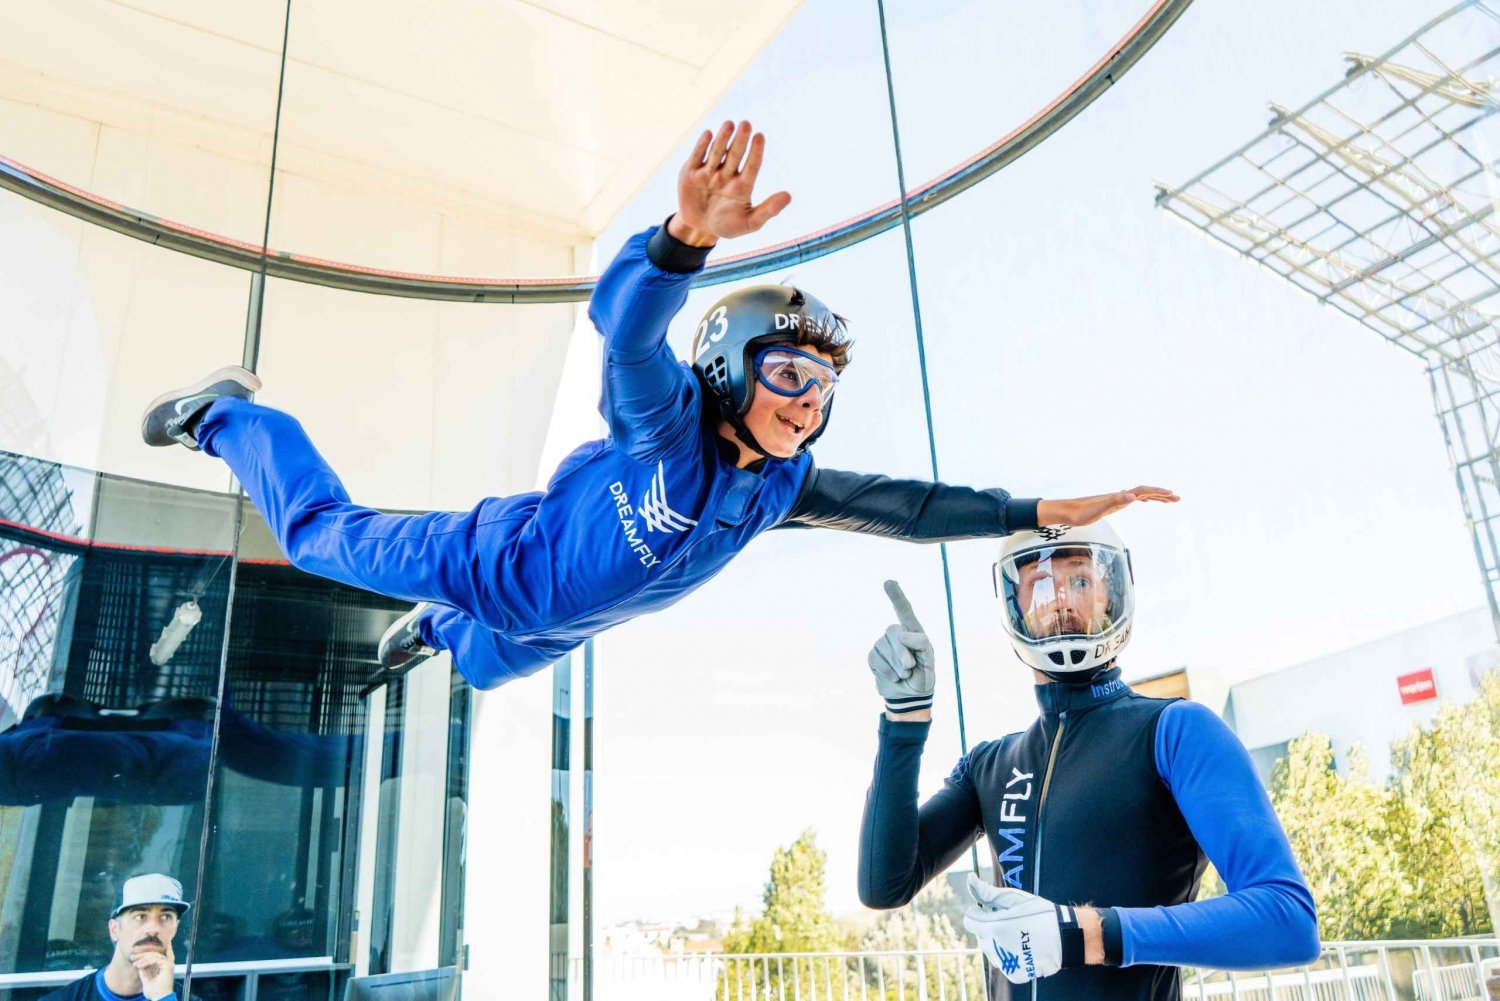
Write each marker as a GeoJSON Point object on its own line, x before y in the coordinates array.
{"type": "Point", "coordinates": [150, 940]}
{"type": "Point", "coordinates": [1073, 621]}
{"type": "Point", "coordinates": [1063, 620]}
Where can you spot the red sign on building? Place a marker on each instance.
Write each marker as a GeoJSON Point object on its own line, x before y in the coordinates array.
{"type": "Point", "coordinates": [1418, 686]}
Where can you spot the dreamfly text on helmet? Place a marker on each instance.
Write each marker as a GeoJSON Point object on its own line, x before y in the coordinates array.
{"type": "Point", "coordinates": [1113, 645]}
{"type": "Point", "coordinates": [627, 525]}
{"type": "Point", "coordinates": [800, 321]}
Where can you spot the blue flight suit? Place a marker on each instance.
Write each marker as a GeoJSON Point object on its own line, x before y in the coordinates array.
{"type": "Point", "coordinates": [627, 525]}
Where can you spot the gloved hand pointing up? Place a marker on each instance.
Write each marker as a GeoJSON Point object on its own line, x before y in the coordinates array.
{"type": "Point", "coordinates": [902, 660]}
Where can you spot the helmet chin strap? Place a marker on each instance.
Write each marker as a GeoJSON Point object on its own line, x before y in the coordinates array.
{"type": "Point", "coordinates": [730, 415]}
{"type": "Point", "coordinates": [742, 432]}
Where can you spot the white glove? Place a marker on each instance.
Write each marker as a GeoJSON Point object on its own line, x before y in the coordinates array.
{"type": "Point", "coordinates": [902, 660]}
{"type": "Point", "coordinates": [1018, 932]}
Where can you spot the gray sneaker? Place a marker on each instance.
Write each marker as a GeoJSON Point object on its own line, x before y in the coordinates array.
{"type": "Point", "coordinates": [171, 418]}
{"type": "Point", "coordinates": [401, 648]}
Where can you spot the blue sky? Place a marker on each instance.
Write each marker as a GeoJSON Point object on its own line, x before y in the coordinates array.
{"type": "Point", "coordinates": [1079, 340]}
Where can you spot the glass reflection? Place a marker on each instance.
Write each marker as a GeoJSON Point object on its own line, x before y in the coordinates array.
{"type": "Point", "coordinates": [143, 925]}
{"type": "Point", "coordinates": [109, 659]}
{"type": "Point", "coordinates": [115, 595]}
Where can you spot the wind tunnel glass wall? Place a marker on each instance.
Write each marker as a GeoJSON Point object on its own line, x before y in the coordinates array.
{"type": "Point", "coordinates": [108, 701]}
{"type": "Point", "coordinates": [423, 405]}
{"type": "Point", "coordinates": [115, 612]}
{"type": "Point", "coordinates": [116, 713]}
{"type": "Point", "coordinates": [311, 810]}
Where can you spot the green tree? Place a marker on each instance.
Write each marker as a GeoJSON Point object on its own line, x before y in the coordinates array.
{"type": "Point", "coordinates": [796, 917]}
{"type": "Point", "coordinates": [795, 920]}
{"type": "Point", "coordinates": [1481, 761]}
{"type": "Point", "coordinates": [1339, 828]}
{"type": "Point", "coordinates": [1412, 860]}
{"type": "Point", "coordinates": [1447, 785]}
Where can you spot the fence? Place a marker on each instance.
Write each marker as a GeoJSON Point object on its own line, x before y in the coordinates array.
{"type": "Point", "coordinates": [1437, 970]}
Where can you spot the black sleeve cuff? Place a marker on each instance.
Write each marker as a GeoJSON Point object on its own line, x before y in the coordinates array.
{"type": "Point", "coordinates": [1114, 942]}
{"type": "Point", "coordinates": [1020, 514]}
{"type": "Point", "coordinates": [671, 254]}
{"type": "Point", "coordinates": [893, 732]}
{"type": "Point", "coordinates": [1072, 936]}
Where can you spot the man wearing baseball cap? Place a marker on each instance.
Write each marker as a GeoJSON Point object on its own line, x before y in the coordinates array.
{"type": "Point", "coordinates": [142, 926]}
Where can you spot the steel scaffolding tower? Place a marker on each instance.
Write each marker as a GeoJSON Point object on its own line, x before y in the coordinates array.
{"type": "Point", "coordinates": [1378, 198]}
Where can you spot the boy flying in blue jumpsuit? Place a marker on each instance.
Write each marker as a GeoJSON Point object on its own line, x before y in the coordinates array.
{"type": "Point", "coordinates": [698, 461]}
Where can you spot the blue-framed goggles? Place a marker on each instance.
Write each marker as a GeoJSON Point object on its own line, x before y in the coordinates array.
{"type": "Point", "coordinates": [789, 372]}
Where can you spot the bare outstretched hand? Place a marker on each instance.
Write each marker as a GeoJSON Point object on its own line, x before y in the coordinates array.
{"type": "Point", "coordinates": [1080, 511]}
{"type": "Point", "coordinates": [716, 186]}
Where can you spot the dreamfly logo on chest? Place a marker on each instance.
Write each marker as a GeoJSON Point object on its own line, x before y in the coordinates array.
{"type": "Point", "coordinates": [1012, 861]}
{"type": "Point", "coordinates": [627, 526]}
{"type": "Point", "coordinates": [654, 510]}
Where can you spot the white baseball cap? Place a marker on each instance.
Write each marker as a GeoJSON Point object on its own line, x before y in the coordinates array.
{"type": "Point", "coordinates": [148, 889]}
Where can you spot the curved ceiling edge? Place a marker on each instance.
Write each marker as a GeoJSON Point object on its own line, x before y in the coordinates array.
{"type": "Point", "coordinates": [185, 239]}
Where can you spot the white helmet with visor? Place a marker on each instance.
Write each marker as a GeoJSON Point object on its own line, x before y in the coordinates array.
{"type": "Point", "coordinates": [1068, 598]}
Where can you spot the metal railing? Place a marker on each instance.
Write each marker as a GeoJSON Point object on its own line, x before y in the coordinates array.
{"type": "Point", "coordinates": [924, 975]}
{"type": "Point", "coordinates": [1407, 970]}
{"type": "Point", "coordinates": [249, 973]}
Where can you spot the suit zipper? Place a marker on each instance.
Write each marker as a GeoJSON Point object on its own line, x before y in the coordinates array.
{"type": "Point", "coordinates": [1041, 811]}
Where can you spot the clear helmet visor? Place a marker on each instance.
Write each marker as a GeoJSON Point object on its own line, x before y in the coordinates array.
{"type": "Point", "coordinates": [1080, 591]}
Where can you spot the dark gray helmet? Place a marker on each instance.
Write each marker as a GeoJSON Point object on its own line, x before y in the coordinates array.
{"type": "Point", "coordinates": [738, 326]}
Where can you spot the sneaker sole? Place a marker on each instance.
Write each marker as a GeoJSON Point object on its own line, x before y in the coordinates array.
{"type": "Point", "coordinates": [387, 639]}
{"type": "Point", "coordinates": [236, 374]}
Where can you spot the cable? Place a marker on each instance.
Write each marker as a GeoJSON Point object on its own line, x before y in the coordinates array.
{"type": "Point", "coordinates": [199, 890]}
{"type": "Point", "coordinates": [251, 356]}
{"type": "Point", "coordinates": [258, 280]}
{"type": "Point", "coordinates": [916, 310]}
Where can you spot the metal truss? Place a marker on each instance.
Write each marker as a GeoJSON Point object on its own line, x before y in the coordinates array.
{"type": "Point", "coordinates": [1378, 198]}
{"type": "Point", "coordinates": [33, 579]}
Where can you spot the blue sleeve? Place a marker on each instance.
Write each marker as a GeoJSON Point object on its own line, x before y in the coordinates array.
{"type": "Point", "coordinates": [649, 399]}
{"type": "Point", "coordinates": [1267, 919]}
{"type": "Point", "coordinates": [902, 846]}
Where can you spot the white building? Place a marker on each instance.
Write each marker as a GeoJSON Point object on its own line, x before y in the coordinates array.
{"type": "Point", "coordinates": [1371, 694]}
